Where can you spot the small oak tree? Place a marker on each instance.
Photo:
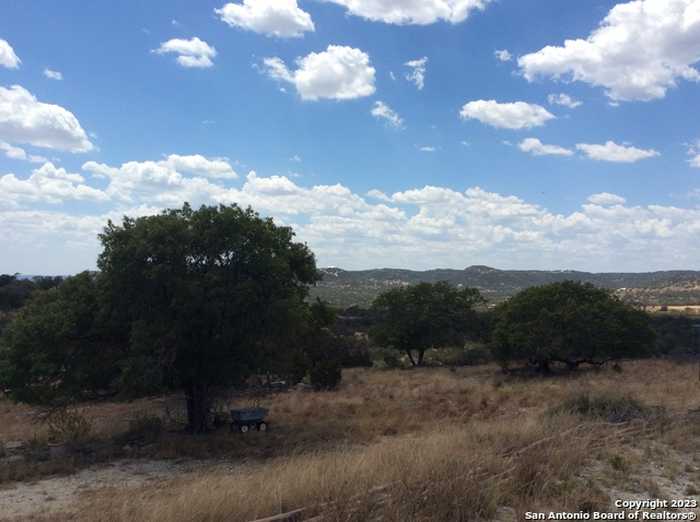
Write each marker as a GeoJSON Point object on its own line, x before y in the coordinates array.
{"type": "Point", "coordinates": [413, 319]}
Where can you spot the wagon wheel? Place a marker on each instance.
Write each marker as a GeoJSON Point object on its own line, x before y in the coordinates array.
{"type": "Point", "coordinates": [262, 426]}
{"type": "Point", "coordinates": [244, 428]}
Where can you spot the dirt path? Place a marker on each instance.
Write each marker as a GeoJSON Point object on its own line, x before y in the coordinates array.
{"type": "Point", "coordinates": [55, 495]}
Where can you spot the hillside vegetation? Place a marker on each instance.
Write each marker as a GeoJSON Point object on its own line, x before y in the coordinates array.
{"type": "Point", "coordinates": [345, 288]}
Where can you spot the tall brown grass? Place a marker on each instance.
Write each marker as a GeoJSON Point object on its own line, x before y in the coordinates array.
{"type": "Point", "coordinates": [425, 445]}
{"type": "Point", "coordinates": [430, 444]}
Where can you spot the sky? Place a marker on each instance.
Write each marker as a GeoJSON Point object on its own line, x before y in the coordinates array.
{"type": "Point", "coordinates": [521, 134]}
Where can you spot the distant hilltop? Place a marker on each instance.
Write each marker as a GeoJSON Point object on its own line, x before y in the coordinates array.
{"type": "Point", "coordinates": [359, 287]}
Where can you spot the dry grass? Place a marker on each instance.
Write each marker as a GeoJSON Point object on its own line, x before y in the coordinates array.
{"type": "Point", "coordinates": [427, 444]}
{"type": "Point", "coordinates": [19, 422]}
{"type": "Point", "coordinates": [459, 473]}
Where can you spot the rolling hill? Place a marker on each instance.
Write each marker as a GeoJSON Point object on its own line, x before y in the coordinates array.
{"type": "Point", "coordinates": [345, 288]}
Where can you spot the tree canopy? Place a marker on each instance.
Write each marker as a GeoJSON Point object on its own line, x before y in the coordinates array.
{"type": "Point", "coordinates": [570, 323]}
{"type": "Point", "coordinates": [413, 319]}
{"type": "Point", "coordinates": [199, 290]}
{"type": "Point", "coordinates": [57, 349]}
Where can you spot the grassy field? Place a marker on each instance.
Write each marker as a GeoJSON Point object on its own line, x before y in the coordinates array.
{"type": "Point", "coordinates": [429, 444]}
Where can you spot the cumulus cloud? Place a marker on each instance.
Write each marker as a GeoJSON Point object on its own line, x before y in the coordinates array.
{"type": "Point", "coordinates": [378, 194]}
{"type": "Point", "coordinates": [8, 58]}
{"type": "Point", "coordinates": [53, 75]}
{"type": "Point", "coordinates": [564, 100]}
{"type": "Point", "coordinates": [640, 50]}
{"type": "Point", "coordinates": [19, 153]}
{"type": "Point", "coordinates": [382, 111]}
{"type": "Point", "coordinates": [413, 12]}
{"type": "Point", "coordinates": [417, 73]}
{"type": "Point", "coordinates": [47, 184]}
{"type": "Point", "coordinates": [280, 18]}
{"type": "Point", "coordinates": [613, 152]}
{"type": "Point", "coordinates": [606, 199]}
{"type": "Point", "coordinates": [24, 119]}
{"type": "Point", "coordinates": [421, 227]}
{"type": "Point", "coordinates": [170, 181]}
{"type": "Point", "coordinates": [190, 53]}
{"type": "Point", "coordinates": [516, 115]}
{"type": "Point", "coordinates": [216, 168]}
{"type": "Point", "coordinates": [338, 73]}
{"type": "Point", "coordinates": [503, 55]}
{"type": "Point", "coordinates": [537, 148]}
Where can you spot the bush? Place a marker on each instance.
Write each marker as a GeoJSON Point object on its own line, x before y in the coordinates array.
{"type": "Point", "coordinates": [144, 429]}
{"type": "Point", "coordinates": [609, 407]}
{"type": "Point", "coordinates": [325, 374]}
{"type": "Point", "coordinates": [355, 352]}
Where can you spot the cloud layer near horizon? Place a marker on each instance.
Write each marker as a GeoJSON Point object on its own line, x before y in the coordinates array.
{"type": "Point", "coordinates": [425, 227]}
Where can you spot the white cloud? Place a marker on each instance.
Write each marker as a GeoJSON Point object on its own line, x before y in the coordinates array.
{"type": "Point", "coordinates": [640, 50]}
{"type": "Point", "coordinates": [24, 119]}
{"type": "Point", "coordinates": [378, 194]}
{"type": "Point", "coordinates": [170, 181]}
{"type": "Point", "coordinates": [190, 53]}
{"type": "Point", "coordinates": [606, 199]}
{"type": "Point", "coordinates": [427, 148]}
{"type": "Point", "coordinates": [413, 12]}
{"type": "Point", "coordinates": [421, 227]}
{"type": "Point", "coordinates": [19, 153]}
{"type": "Point", "coordinates": [53, 75]}
{"type": "Point", "coordinates": [503, 55]}
{"type": "Point", "coordinates": [280, 18]}
{"type": "Point", "coordinates": [8, 58]}
{"type": "Point", "coordinates": [217, 168]}
{"type": "Point", "coordinates": [296, 158]}
{"type": "Point", "coordinates": [613, 152]}
{"type": "Point", "coordinates": [517, 115]}
{"type": "Point", "coordinates": [46, 184]}
{"type": "Point", "coordinates": [338, 73]}
{"type": "Point", "coordinates": [417, 74]}
{"type": "Point", "coordinates": [563, 99]}
{"type": "Point", "coordinates": [382, 111]}
{"type": "Point", "coordinates": [537, 148]}
{"type": "Point", "coordinates": [694, 153]}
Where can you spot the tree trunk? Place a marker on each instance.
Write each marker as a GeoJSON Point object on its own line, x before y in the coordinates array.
{"type": "Point", "coordinates": [421, 354]}
{"type": "Point", "coordinates": [543, 367]}
{"type": "Point", "coordinates": [197, 409]}
{"type": "Point", "coordinates": [410, 357]}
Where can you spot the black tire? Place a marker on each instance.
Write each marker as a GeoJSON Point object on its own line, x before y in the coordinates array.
{"type": "Point", "coordinates": [262, 426]}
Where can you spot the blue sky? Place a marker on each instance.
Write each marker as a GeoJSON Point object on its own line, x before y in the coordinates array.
{"type": "Point", "coordinates": [577, 148]}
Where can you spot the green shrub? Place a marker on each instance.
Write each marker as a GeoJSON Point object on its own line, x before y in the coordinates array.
{"type": "Point", "coordinates": [325, 374]}
{"type": "Point", "coordinates": [144, 429]}
{"type": "Point", "coordinates": [391, 361]}
{"type": "Point", "coordinates": [606, 406]}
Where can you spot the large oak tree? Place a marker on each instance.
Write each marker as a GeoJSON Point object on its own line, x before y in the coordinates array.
{"type": "Point", "coordinates": [569, 323]}
{"type": "Point", "coordinates": [199, 290]}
